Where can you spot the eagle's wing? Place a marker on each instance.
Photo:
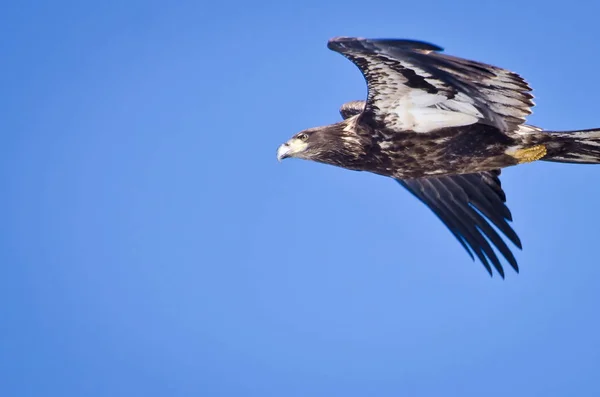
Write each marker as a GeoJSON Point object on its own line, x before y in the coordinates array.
{"type": "Point", "coordinates": [460, 201]}
{"type": "Point", "coordinates": [413, 87]}
{"type": "Point", "coordinates": [351, 108]}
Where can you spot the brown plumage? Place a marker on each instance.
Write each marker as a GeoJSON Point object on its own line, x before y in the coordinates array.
{"type": "Point", "coordinates": [443, 127]}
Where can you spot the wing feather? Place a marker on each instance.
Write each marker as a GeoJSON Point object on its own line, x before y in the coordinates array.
{"type": "Point", "coordinates": [466, 204]}
{"type": "Point", "coordinates": [413, 87]}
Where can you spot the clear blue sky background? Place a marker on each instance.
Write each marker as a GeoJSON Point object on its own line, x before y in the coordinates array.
{"type": "Point", "coordinates": [153, 246]}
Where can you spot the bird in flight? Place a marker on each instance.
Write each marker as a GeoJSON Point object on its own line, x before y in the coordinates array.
{"type": "Point", "coordinates": [443, 127]}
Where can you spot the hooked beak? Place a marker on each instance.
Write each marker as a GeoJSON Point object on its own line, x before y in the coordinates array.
{"type": "Point", "coordinates": [291, 148]}
{"type": "Point", "coordinates": [283, 152]}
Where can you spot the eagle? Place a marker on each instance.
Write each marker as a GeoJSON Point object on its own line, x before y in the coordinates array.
{"type": "Point", "coordinates": [443, 127]}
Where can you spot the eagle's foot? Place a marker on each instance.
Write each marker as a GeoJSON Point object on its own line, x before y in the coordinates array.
{"type": "Point", "coordinates": [530, 154]}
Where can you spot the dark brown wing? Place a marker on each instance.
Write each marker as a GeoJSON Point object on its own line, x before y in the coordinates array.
{"type": "Point", "coordinates": [462, 203]}
{"type": "Point", "coordinates": [413, 87]}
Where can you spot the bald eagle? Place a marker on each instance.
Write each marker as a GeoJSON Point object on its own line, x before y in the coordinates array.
{"type": "Point", "coordinates": [443, 127]}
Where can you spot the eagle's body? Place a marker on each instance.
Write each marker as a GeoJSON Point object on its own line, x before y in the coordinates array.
{"type": "Point", "coordinates": [443, 127]}
{"type": "Point", "coordinates": [447, 151]}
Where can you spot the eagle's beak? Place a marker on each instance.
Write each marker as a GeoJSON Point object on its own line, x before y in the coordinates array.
{"type": "Point", "coordinates": [283, 151]}
{"type": "Point", "coordinates": [291, 148]}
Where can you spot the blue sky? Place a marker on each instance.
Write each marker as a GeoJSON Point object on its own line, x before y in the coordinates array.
{"type": "Point", "coordinates": [152, 245]}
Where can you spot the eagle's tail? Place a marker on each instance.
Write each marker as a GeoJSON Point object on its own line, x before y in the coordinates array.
{"type": "Point", "coordinates": [581, 147]}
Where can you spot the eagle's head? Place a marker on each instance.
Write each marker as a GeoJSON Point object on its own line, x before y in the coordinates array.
{"type": "Point", "coordinates": [335, 144]}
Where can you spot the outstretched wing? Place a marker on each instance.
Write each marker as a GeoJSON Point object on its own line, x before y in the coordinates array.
{"type": "Point", "coordinates": [413, 87]}
{"type": "Point", "coordinates": [462, 203]}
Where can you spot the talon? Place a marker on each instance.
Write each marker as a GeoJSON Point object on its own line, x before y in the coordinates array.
{"type": "Point", "coordinates": [530, 154]}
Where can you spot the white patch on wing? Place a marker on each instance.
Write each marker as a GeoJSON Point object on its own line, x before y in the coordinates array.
{"type": "Point", "coordinates": [422, 112]}
{"type": "Point", "coordinates": [428, 119]}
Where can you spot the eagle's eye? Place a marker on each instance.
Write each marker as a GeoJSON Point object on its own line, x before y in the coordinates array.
{"type": "Point", "coordinates": [303, 136]}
